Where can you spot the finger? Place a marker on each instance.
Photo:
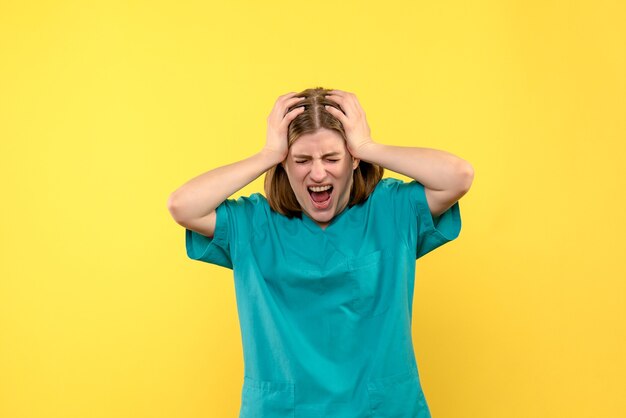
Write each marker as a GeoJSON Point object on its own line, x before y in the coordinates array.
{"type": "Point", "coordinates": [337, 93]}
{"type": "Point", "coordinates": [352, 103]}
{"type": "Point", "coordinates": [290, 102]}
{"type": "Point", "coordinates": [335, 112]}
{"type": "Point", "coordinates": [347, 106]}
{"type": "Point", "coordinates": [342, 95]}
{"type": "Point", "coordinates": [291, 105]}
{"type": "Point", "coordinates": [341, 103]}
{"type": "Point", "coordinates": [293, 113]}
{"type": "Point", "coordinates": [342, 109]}
{"type": "Point", "coordinates": [283, 103]}
{"type": "Point", "coordinates": [343, 100]}
{"type": "Point", "coordinates": [294, 99]}
{"type": "Point", "coordinates": [290, 116]}
{"type": "Point", "coordinates": [285, 97]}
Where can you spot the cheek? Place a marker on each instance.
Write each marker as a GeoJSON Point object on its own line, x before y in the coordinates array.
{"type": "Point", "coordinates": [299, 173]}
{"type": "Point", "coordinates": [292, 170]}
{"type": "Point", "coordinates": [346, 173]}
{"type": "Point", "coordinates": [296, 177]}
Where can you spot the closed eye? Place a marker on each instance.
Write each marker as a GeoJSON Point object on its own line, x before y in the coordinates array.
{"type": "Point", "coordinates": [332, 161]}
{"type": "Point", "coordinates": [301, 161]}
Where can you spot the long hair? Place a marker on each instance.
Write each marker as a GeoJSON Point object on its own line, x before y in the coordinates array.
{"type": "Point", "coordinates": [278, 191]}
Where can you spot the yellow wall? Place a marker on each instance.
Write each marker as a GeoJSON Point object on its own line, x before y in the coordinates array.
{"type": "Point", "coordinates": [108, 106]}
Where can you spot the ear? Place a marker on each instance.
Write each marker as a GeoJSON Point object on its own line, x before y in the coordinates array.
{"type": "Point", "coordinates": [355, 163]}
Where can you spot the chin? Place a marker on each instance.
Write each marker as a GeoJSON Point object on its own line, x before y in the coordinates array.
{"type": "Point", "coordinates": [323, 219]}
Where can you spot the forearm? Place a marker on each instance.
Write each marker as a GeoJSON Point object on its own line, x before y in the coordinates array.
{"type": "Point", "coordinates": [435, 169]}
{"type": "Point", "coordinates": [203, 194]}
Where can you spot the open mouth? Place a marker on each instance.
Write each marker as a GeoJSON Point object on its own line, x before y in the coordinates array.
{"type": "Point", "coordinates": [321, 196]}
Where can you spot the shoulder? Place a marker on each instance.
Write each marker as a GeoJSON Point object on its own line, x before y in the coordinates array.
{"type": "Point", "coordinates": [387, 193]}
{"type": "Point", "coordinates": [406, 198]}
{"type": "Point", "coordinates": [388, 183]}
{"type": "Point", "coordinates": [244, 210]}
{"type": "Point", "coordinates": [390, 186]}
{"type": "Point", "coordinates": [244, 214]}
{"type": "Point", "coordinates": [252, 202]}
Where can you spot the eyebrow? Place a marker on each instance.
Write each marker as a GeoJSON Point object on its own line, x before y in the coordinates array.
{"type": "Point", "coordinates": [328, 154]}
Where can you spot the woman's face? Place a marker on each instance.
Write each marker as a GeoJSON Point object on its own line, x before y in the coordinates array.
{"type": "Point", "coordinates": [315, 162]}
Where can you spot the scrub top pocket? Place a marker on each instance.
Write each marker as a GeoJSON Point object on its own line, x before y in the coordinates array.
{"type": "Point", "coordinates": [262, 399]}
{"type": "Point", "coordinates": [374, 293]}
{"type": "Point", "coordinates": [397, 396]}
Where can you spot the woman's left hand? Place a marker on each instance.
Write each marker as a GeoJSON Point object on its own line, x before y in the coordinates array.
{"type": "Point", "coordinates": [352, 118]}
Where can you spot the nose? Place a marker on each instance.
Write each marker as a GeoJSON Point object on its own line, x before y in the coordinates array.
{"type": "Point", "coordinates": [318, 171]}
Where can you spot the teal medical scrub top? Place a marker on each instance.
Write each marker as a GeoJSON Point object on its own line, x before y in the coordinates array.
{"type": "Point", "coordinates": [325, 315]}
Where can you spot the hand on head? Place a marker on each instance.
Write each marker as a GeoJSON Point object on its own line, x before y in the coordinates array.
{"type": "Point", "coordinates": [278, 123]}
{"type": "Point", "coordinates": [348, 111]}
{"type": "Point", "coordinates": [352, 117]}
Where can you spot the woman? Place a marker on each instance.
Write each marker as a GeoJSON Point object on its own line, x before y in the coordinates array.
{"type": "Point", "coordinates": [324, 266]}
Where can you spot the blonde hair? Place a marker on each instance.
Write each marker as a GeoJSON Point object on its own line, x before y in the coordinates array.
{"type": "Point", "coordinates": [278, 191]}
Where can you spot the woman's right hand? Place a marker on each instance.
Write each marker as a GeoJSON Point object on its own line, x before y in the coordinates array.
{"type": "Point", "coordinates": [278, 123]}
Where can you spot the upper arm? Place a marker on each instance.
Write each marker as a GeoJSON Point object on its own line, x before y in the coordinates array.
{"type": "Point", "coordinates": [425, 219]}
{"type": "Point", "coordinates": [204, 225]}
{"type": "Point", "coordinates": [214, 237]}
{"type": "Point", "coordinates": [440, 201]}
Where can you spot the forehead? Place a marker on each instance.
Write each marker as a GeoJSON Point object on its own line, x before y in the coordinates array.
{"type": "Point", "coordinates": [321, 141]}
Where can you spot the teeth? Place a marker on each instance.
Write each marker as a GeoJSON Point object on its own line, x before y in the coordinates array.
{"type": "Point", "coordinates": [319, 189]}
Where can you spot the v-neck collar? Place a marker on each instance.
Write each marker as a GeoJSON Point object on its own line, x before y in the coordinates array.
{"type": "Point", "coordinates": [315, 228]}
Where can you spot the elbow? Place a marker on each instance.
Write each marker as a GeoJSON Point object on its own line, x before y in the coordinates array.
{"type": "Point", "coordinates": [171, 203]}
{"type": "Point", "coordinates": [466, 175]}
{"type": "Point", "coordinates": [173, 206]}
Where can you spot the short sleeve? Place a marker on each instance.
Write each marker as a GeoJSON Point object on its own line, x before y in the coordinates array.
{"type": "Point", "coordinates": [233, 224]}
{"type": "Point", "coordinates": [416, 223]}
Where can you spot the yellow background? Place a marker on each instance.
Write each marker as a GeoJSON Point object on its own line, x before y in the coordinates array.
{"type": "Point", "coordinates": [106, 107]}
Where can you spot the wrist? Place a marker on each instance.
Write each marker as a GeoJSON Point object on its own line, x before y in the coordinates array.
{"type": "Point", "coordinates": [365, 151]}
{"type": "Point", "coordinates": [271, 156]}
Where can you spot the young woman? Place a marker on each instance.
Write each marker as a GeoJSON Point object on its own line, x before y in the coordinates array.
{"type": "Point", "coordinates": [324, 264]}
